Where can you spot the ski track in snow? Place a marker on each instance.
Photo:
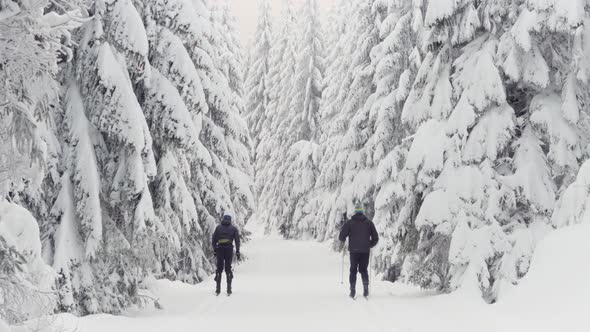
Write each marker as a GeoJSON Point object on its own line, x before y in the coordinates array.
{"type": "Point", "coordinates": [295, 286]}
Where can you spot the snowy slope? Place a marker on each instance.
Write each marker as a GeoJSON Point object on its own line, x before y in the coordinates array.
{"type": "Point", "coordinates": [295, 286]}
{"type": "Point", "coordinates": [555, 294]}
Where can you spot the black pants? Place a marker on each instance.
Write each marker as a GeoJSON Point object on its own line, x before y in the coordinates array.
{"type": "Point", "coordinates": [359, 262]}
{"type": "Point", "coordinates": [225, 255]}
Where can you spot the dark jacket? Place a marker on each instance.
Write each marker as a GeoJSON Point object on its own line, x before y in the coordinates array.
{"type": "Point", "coordinates": [225, 234]}
{"type": "Point", "coordinates": [361, 233]}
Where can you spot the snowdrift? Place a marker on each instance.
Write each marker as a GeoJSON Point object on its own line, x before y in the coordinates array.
{"type": "Point", "coordinates": [555, 294]}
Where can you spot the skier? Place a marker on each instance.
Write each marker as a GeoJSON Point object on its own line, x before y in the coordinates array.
{"type": "Point", "coordinates": [223, 238]}
{"type": "Point", "coordinates": [362, 236]}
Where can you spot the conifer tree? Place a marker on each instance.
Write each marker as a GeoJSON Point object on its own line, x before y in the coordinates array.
{"type": "Point", "coordinates": [298, 121]}
{"type": "Point", "coordinates": [257, 81]}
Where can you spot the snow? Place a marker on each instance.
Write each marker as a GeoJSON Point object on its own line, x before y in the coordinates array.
{"type": "Point", "coordinates": [128, 30]}
{"type": "Point", "coordinates": [296, 286]}
{"type": "Point", "coordinates": [439, 10]}
{"type": "Point", "coordinates": [491, 134]}
{"type": "Point", "coordinates": [170, 118]}
{"type": "Point", "coordinates": [10, 9]}
{"type": "Point", "coordinates": [86, 173]}
{"type": "Point", "coordinates": [477, 179]}
{"type": "Point", "coordinates": [522, 28]}
{"type": "Point", "coordinates": [173, 61]}
{"type": "Point", "coordinates": [546, 114]}
{"type": "Point", "coordinates": [554, 296]}
{"type": "Point", "coordinates": [477, 77]}
{"type": "Point", "coordinates": [125, 123]}
{"type": "Point", "coordinates": [427, 151]}
{"type": "Point", "coordinates": [532, 177]}
{"type": "Point", "coordinates": [572, 206]}
{"type": "Point", "coordinates": [570, 11]}
{"type": "Point", "coordinates": [19, 229]}
{"type": "Point", "coordinates": [438, 209]}
{"type": "Point", "coordinates": [68, 244]}
{"type": "Point", "coordinates": [536, 70]}
{"type": "Point", "coordinates": [4, 327]}
{"type": "Point", "coordinates": [71, 19]}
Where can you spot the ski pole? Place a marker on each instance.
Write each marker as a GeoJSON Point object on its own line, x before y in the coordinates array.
{"type": "Point", "coordinates": [371, 271]}
{"type": "Point", "coordinates": [342, 268]}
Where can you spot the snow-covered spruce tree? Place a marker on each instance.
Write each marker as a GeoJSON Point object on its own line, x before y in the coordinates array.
{"type": "Point", "coordinates": [184, 239]}
{"type": "Point", "coordinates": [481, 180]}
{"type": "Point", "coordinates": [76, 231]}
{"type": "Point", "coordinates": [336, 81]}
{"type": "Point", "coordinates": [183, 247]}
{"type": "Point", "coordinates": [198, 52]}
{"type": "Point", "coordinates": [547, 63]}
{"type": "Point", "coordinates": [104, 229]}
{"type": "Point", "coordinates": [238, 160]}
{"type": "Point", "coordinates": [220, 175]}
{"type": "Point", "coordinates": [282, 61]}
{"type": "Point", "coordinates": [340, 161]}
{"type": "Point", "coordinates": [302, 120]}
{"type": "Point", "coordinates": [335, 26]}
{"type": "Point", "coordinates": [463, 131]}
{"type": "Point", "coordinates": [396, 60]}
{"type": "Point", "coordinates": [224, 134]}
{"type": "Point", "coordinates": [300, 169]}
{"type": "Point", "coordinates": [271, 151]}
{"type": "Point", "coordinates": [30, 46]}
{"type": "Point", "coordinates": [337, 62]}
{"type": "Point", "coordinates": [547, 80]}
{"type": "Point", "coordinates": [257, 81]}
{"type": "Point", "coordinates": [175, 137]}
{"type": "Point", "coordinates": [34, 39]}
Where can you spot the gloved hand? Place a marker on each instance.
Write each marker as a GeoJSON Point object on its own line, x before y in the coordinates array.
{"type": "Point", "coordinates": [239, 256]}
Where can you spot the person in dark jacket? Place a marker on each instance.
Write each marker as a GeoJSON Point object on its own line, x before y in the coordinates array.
{"type": "Point", "coordinates": [362, 236]}
{"type": "Point", "coordinates": [223, 239]}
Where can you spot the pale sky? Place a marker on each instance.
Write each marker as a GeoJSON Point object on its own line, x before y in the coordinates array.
{"type": "Point", "coordinates": [246, 12]}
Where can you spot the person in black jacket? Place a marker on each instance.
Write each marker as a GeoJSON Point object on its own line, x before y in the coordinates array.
{"type": "Point", "coordinates": [362, 236]}
{"type": "Point", "coordinates": [223, 238]}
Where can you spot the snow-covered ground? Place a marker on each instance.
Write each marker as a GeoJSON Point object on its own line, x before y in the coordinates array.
{"type": "Point", "coordinates": [295, 286]}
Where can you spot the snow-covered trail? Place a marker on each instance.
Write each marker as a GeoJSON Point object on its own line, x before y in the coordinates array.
{"type": "Point", "coordinates": [295, 286]}
{"type": "Point", "coordinates": [288, 286]}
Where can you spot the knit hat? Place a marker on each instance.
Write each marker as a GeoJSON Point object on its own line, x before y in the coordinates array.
{"type": "Point", "coordinates": [359, 208]}
{"type": "Point", "coordinates": [226, 217]}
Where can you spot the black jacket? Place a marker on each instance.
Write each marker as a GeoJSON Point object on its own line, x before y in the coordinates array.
{"type": "Point", "coordinates": [225, 234]}
{"type": "Point", "coordinates": [361, 232]}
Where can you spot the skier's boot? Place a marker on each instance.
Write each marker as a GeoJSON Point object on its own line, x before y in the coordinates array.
{"type": "Point", "coordinates": [352, 293]}
{"type": "Point", "coordinates": [217, 283]}
{"type": "Point", "coordinates": [230, 277]}
{"type": "Point", "coordinates": [366, 290]}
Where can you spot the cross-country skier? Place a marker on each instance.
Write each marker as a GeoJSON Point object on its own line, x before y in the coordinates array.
{"type": "Point", "coordinates": [223, 238]}
{"type": "Point", "coordinates": [362, 236]}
